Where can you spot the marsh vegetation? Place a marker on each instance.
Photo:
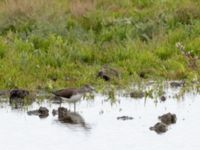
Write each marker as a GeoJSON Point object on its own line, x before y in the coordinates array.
{"type": "Point", "coordinates": [59, 43]}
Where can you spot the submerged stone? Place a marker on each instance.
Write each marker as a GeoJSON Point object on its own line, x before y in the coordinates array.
{"type": "Point", "coordinates": [168, 118]}
{"type": "Point", "coordinates": [159, 128]}
{"type": "Point", "coordinates": [42, 112]}
{"type": "Point", "coordinates": [125, 118]}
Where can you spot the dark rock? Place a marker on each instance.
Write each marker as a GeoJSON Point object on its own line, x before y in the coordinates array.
{"type": "Point", "coordinates": [18, 93]}
{"type": "Point", "coordinates": [42, 112]}
{"type": "Point", "coordinates": [125, 118]}
{"type": "Point", "coordinates": [137, 94]}
{"type": "Point", "coordinates": [168, 118]}
{"type": "Point", "coordinates": [163, 98]}
{"type": "Point", "coordinates": [159, 127]}
{"type": "Point", "coordinates": [176, 84]}
{"type": "Point", "coordinates": [19, 98]}
{"type": "Point", "coordinates": [66, 116]}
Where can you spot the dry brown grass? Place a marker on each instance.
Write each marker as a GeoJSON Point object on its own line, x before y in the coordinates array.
{"type": "Point", "coordinates": [25, 7]}
{"type": "Point", "coordinates": [79, 8]}
{"type": "Point", "coordinates": [30, 8]}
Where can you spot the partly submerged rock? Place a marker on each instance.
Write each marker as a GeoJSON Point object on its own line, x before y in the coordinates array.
{"type": "Point", "coordinates": [19, 98]}
{"type": "Point", "coordinates": [168, 118]}
{"type": "Point", "coordinates": [159, 128]}
{"type": "Point", "coordinates": [176, 84]}
{"type": "Point", "coordinates": [42, 112]}
{"type": "Point", "coordinates": [66, 116]}
{"type": "Point", "coordinates": [137, 94]}
{"type": "Point", "coordinates": [18, 93]}
{"type": "Point", "coordinates": [125, 118]}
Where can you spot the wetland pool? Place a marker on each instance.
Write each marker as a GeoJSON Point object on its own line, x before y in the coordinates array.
{"type": "Point", "coordinates": [102, 129]}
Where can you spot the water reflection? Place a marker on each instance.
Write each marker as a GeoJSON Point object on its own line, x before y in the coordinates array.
{"type": "Point", "coordinates": [67, 117]}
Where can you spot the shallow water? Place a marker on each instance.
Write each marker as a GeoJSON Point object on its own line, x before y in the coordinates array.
{"type": "Point", "coordinates": [103, 131]}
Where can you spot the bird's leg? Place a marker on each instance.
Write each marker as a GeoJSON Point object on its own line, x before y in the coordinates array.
{"type": "Point", "coordinates": [69, 106]}
{"type": "Point", "coordinates": [60, 102]}
{"type": "Point", "coordinates": [74, 106]}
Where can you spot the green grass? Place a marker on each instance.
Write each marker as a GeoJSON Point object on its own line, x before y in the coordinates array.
{"type": "Point", "coordinates": [58, 43]}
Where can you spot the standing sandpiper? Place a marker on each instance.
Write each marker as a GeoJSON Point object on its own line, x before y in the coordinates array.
{"type": "Point", "coordinates": [72, 95]}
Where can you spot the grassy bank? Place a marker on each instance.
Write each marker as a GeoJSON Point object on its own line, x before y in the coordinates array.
{"type": "Point", "coordinates": [58, 43]}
